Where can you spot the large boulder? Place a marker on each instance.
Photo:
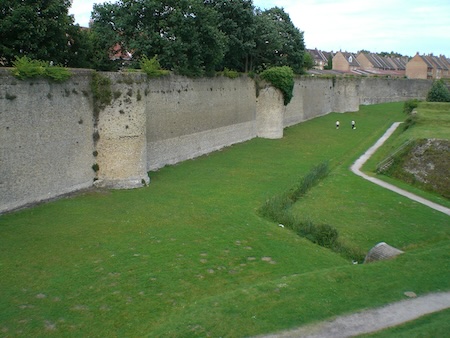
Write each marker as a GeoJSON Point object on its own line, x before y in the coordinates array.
{"type": "Point", "coordinates": [381, 251]}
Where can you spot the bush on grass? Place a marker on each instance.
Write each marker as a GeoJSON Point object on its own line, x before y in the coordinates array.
{"type": "Point", "coordinates": [408, 108]}
{"type": "Point", "coordinates": [410, 105]}
{"type": "Point", "coordinates": [410, 121]}
{"type": "Point", "coordinates": [323, 234]}
{"type": "Point", "coordinates": [315, 175]}
{"type": "Point", "coordinates": [438, 92]}
{"type": "Point", "coordinates": [276, 207]}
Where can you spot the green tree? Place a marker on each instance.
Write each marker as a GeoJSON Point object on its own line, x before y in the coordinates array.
{"type": "Point", "coordinates": [202, 43]}
{"type": "Point", "coordinates": [197, 37]}
{"type": "Point", "coordinates": [391, 54]}
{"type": "Point", "coordinates": [105, 34]}
{"type": "Point", "coordinates": [237, 22]}
{"type": "Point", "coordinates": [37, 29]}
{"type": "Point", "coordinates": [308, 61]}
{"type": "Point", "coordinates": [279, 42]}
{"type": "Point", "coordinates": [81, 47]}
{"type": "Point", "coordinates": [438, 92]}
{"type": "Point", "coordinates": [329, 64]}
{"type": "Point", "coordinates": [267, 43]}
{"type": "Point", "coordinates": [183, 33]}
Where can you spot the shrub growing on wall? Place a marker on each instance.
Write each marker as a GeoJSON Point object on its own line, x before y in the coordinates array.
{"type": "Point", "coordinates": [232, 74]}
{"type": "Point", "coordinates": [152, 67]}
{"type": "Point", "coordinates": [281, 78]}
{"type": "Point", "coordinates": [26, 68]}
{"type": "Point", "coordinates": [57, 73]}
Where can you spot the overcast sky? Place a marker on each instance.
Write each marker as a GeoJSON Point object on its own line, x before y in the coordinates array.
{"type": "Point", "coordinates": [403, 26]}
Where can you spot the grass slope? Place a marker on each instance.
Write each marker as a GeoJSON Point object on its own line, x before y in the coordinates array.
{"type": "Point", "coordinates": [188, 256]}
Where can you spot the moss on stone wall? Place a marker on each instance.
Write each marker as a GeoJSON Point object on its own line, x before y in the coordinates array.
{"type": "Point", "coordinates": [101, 91]}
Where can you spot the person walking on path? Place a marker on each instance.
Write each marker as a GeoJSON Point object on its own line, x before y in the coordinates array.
{"type": "Point", "coordinates": [353, 125]}
{"type": "Point", "coordinates": [337, 124]}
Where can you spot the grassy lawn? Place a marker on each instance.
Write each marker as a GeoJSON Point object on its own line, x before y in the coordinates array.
{"type": "Point", "coordinates": [188, 256]}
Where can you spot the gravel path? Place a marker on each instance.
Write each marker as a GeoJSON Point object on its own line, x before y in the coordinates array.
{"type": "Point", "coordinates": [372, 320]}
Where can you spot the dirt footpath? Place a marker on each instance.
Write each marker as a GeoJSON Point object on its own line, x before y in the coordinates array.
{"type": "Point", "coordinates": [372, 320]}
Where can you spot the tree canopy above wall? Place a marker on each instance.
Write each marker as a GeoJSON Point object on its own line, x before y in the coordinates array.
{"type": "Point", "coordinates": [199, 37]}
{"type": "Point", "coordinates": [190, 37]}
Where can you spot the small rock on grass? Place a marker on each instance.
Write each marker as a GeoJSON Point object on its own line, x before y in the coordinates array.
{"type": "Point", "coordinates": [410, 294]}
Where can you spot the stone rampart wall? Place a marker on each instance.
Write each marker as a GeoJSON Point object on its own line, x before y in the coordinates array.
{"type": "Point", "coordinates": [319, 96]}
{"type": "Point", "coordinates": [187, 118]}
{"type": "Point", "coordinates": [379, 90]}
{"type": "Point", "coordinates": [121, 148]}
{"type": "Point", "coordinates": [47, 146]}
{"type": "Point", "coordinates": [46, 141]}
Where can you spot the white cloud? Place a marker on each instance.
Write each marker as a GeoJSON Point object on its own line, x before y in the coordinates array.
{"type": "Point", "coordinates": [81, 9]}
{"type": "Point", "coordinates": [404, 26]}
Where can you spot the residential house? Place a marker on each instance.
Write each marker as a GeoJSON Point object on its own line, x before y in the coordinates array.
{"type": "Point", "coordinates": [419, 68]}
{"type": "Point", "coordinates": [380, 65]}
{"type": "Point", "coordinates": [442, 67]}
{"type": "Point", "coordinates": [345, 62]}
{"type": "Point", "coordinates": [446, 61]}
{"type": "Point", "coordinates": [399, 63]}
{"type": "Point", "coordinates": [118, 53]}
{"type": "Point", "coordinates": [374, 61]}
{"type": "Point", "coordinates": [371, 64]}
{"type": "Point", "coordinates": [320, 58]}
{"type": "Point", "coordinates": [428, 67]}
